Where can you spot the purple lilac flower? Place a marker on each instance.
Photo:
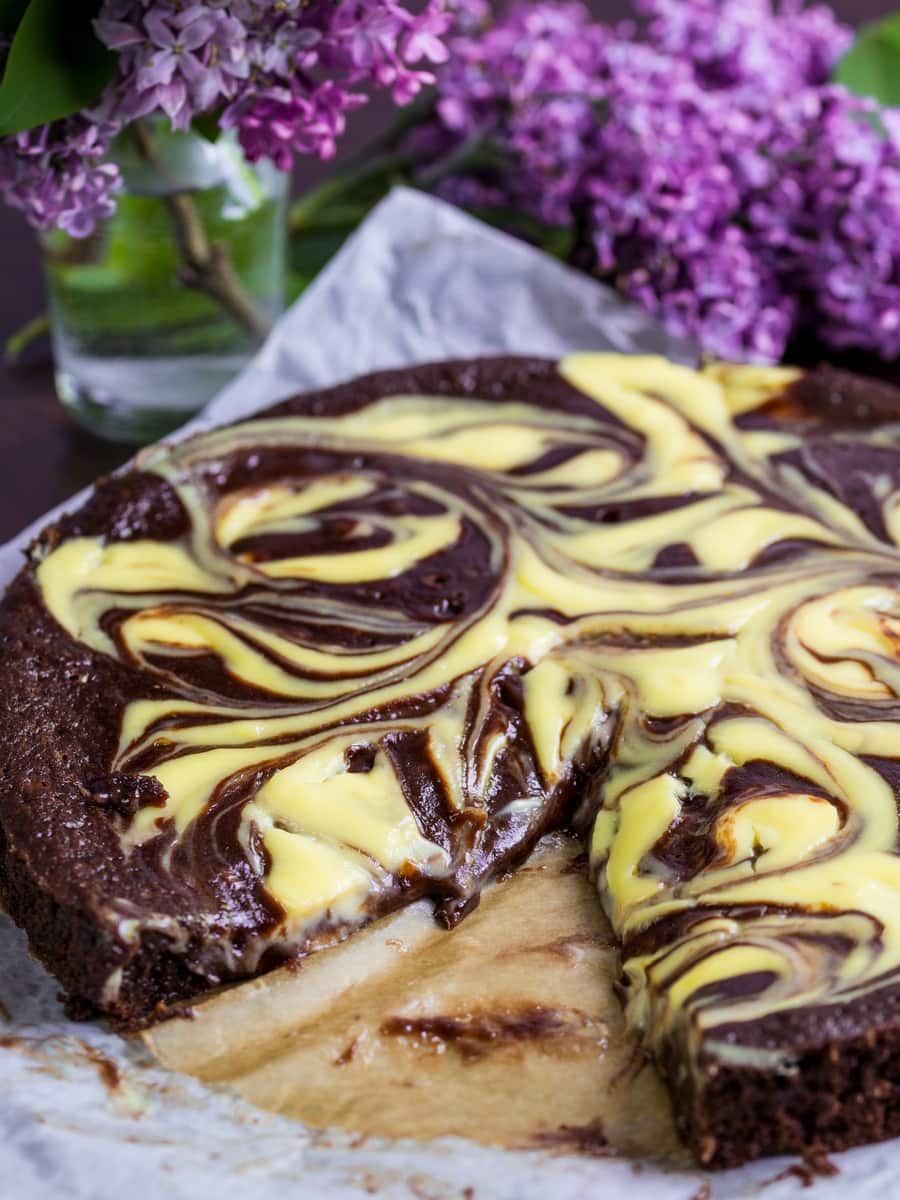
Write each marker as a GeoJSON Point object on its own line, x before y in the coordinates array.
{"type": "Point", "coordinates": [749, 44]}
{"type": "Point", "coordinates": [291, 109]}
{"type": "Point", "coordinates": [529, 83]}
{"type": "Point", "coordinates": [848, 230]}
{"type": "Point", "coordinates": [284, 76]}
{"type": "Point", "coordinates": [721, 295]}
{"type": "Point", "coordinates": [281, 122]}
{"type": "Point", "coordinates": [57, 177]}
{"type": "Point", "coordinates": [720, 181]}
{"type": "Point", "coordinates": [173, 59]}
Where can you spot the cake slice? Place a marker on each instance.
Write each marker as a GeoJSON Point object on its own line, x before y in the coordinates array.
{"type": "Point", "coordinates": [370, 645]}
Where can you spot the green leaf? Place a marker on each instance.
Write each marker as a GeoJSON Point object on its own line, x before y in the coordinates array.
{"type": "Point", "coordinates": [11, 13]}
{"type": "Point", "coordinates": [871, 67]}
{"type": "Point", "coordinates": [207, 126]}
{"type": "Point", "coordinates": [56, 65]}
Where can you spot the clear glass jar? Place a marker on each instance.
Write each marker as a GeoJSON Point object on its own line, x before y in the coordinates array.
{"type": "Point", "coordinates": [156, 310]}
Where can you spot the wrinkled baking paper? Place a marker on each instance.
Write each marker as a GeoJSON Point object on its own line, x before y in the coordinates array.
{"type": "Point", "coordinates": [320, 1081]}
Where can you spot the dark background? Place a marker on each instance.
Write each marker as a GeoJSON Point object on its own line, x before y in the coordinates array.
{"type": "Point", "coordinates": [43, 458]}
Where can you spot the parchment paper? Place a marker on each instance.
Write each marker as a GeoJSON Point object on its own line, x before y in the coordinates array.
{"type": "Point", "coordinates": [84, 1113]}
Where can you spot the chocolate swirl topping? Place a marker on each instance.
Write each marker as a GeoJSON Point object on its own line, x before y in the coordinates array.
{"type": "Point", "coordinates": [387, 643]}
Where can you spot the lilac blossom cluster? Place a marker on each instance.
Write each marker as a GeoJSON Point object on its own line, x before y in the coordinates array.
{"type": "Point", "coordinates": [717, 176]}
{"type": "Point", "coordinates": [283, 75]}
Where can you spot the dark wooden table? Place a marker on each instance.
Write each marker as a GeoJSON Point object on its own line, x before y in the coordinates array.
{"type": "Point", "coordinates": [43, 457]}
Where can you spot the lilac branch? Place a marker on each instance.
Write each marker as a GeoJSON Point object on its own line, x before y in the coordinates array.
{"type": "Point", "coordinates": [205, 266]}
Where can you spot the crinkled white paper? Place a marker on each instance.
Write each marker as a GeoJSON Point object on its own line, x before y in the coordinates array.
{"type": "Point", "coordinates": [84, 1113]}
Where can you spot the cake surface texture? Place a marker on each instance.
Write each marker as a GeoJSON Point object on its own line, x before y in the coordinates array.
{"type": "Point", "coordinates": [370, 645]}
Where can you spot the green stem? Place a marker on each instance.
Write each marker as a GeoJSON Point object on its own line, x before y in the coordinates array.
{"type": "Point", "coordinates": [17, 342]}
{"type": "Point", "coordinates": [307, 207]}
{"type": "Point", "coordinates": [205, 266]}
{"type": "Point", "coordinates": [473, 151]}
{"type": "Point", "coordinates": [397, 166]}
{"type": "Point", "coordinates": [412, 116]}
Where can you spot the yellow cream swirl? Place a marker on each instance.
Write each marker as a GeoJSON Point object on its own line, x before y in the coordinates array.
{"type": "Point", "coordinates": [445, 624]}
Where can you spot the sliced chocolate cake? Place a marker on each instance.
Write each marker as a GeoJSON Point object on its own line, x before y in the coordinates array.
{"type": "Point", "coordinates": [370, 645]}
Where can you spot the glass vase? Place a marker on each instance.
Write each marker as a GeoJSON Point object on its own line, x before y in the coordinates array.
{"type": "Point", "coordinates": [154, 312]}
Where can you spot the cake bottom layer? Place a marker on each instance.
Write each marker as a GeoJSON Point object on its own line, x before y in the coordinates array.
{"type": "Point", "coordinates": [507, 1031]}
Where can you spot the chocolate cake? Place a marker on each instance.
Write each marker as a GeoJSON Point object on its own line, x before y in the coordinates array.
{"type": "Point", "coordinates": [371, 645]}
